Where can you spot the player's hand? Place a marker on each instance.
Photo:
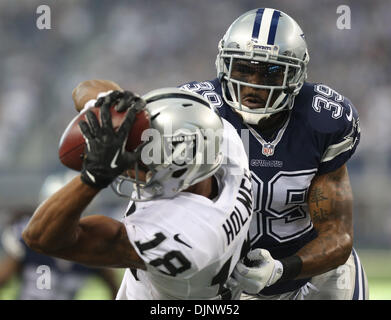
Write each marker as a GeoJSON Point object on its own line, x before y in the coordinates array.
{"type": "Point", "coordinates": [123, 101]}
{"type": "Point", "coordinates": [259, 270]}
{"type": "Point", "coordinates": [105, 155]}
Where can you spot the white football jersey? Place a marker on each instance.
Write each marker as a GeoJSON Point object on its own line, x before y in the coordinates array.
{"type": "Point", "coordinates": [191, 244]}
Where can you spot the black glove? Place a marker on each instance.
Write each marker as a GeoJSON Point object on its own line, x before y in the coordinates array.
{"type": "Point", "coordinates": [105, 155]}
{"type": "Point", "coordinates": [123, 100]}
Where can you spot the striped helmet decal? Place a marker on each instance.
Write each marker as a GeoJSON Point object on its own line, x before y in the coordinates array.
{"type": "Point", "coordinates": [257, 23]}
{"type": "Point", "coordinates": [265, 25]}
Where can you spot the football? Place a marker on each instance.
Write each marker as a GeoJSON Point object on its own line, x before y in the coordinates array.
{"type": "Point", "coordinates": [72, 143]}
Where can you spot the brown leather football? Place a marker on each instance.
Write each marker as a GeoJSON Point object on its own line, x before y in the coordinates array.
{"type": "Point", "coordinates": [72, 143]}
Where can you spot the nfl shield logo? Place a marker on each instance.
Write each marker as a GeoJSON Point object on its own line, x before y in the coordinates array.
{"type": "Point", "coordinates": [268, 149]}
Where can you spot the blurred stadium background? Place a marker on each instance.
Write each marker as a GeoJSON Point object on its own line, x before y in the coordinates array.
{"type": "Point", "coordinates": [145, 44]}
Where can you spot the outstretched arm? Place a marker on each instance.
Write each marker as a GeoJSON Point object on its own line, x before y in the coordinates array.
{"type": "Point", "coordinates": [56, 229]}
{"type": "Point", "coordinates": [60, 211]}
{"type": "Point", "coordinates": [90, 89]}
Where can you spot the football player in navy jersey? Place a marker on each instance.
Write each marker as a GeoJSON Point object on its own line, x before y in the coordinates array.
{"type": "Point", "coordinates": [299, 137]}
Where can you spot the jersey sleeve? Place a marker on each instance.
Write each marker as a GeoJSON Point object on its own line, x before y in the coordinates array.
{"type": "Point", "coordinates": [340, 144]}
{"type": "Point", "coordinates": [210, 90]}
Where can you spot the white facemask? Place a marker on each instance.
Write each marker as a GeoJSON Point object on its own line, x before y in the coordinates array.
{"type": "Point", "coordinates": [251, 118]}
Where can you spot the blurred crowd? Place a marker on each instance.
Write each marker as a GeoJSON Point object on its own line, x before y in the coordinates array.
{"type": "Point", "coordinates": [145, 44]}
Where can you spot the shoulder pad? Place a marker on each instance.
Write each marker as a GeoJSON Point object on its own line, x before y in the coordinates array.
{"type": "Point", "coordinates": [334, 121]}
{"type": "Point", "coordinates": [210, 90]}
{"type": "Point", "coordinates": [327, 111]}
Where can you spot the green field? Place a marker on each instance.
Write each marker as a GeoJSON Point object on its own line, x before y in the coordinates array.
{"type": "Point", "coordinates": [377, 264]}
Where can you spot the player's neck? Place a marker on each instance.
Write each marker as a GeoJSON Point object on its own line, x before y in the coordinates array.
{"type": "Point", "coordinates": [269, 127]}
{"type": "Point", "coordinates": [207, 188]}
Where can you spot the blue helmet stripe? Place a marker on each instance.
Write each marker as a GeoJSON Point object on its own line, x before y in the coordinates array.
{"type": "Point", "coordinates": [273, 27]}
{"type": "Point", "coordinates": [257, 23]}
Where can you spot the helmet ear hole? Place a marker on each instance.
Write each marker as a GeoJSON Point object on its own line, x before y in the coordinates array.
{"type": "Point", "coordinates": [179, 173]}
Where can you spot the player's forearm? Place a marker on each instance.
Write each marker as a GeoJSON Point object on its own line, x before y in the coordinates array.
{"type": "Point", "coordinates": [90, 89]}
{"type": "Point", "coordinates": [330, 205]}
{"type": "Point", "coordinates": [326, 252]}
{"type": "Point", "coordinates": [54, 224]}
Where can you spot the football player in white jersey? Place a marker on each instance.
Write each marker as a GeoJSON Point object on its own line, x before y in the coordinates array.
{"type": "Point", "coordinates": [187, 223]}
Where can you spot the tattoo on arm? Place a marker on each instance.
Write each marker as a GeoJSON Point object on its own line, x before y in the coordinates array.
{"type": "Point", "coordinates": [317, 196]}
{"type": "Point", "coordinates": [330, 206]}
{"type": "Point", "coordinates": [320, 215]}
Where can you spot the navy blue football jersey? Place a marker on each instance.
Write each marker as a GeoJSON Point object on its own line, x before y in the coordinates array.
{"type": "Point", "coordinates": [321, 134]}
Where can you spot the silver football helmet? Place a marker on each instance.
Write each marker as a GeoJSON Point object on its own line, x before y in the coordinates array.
{"type": "Point", "coordinates": [262, 49]}
{"type": "Point", "coordinates": [182, 147]}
